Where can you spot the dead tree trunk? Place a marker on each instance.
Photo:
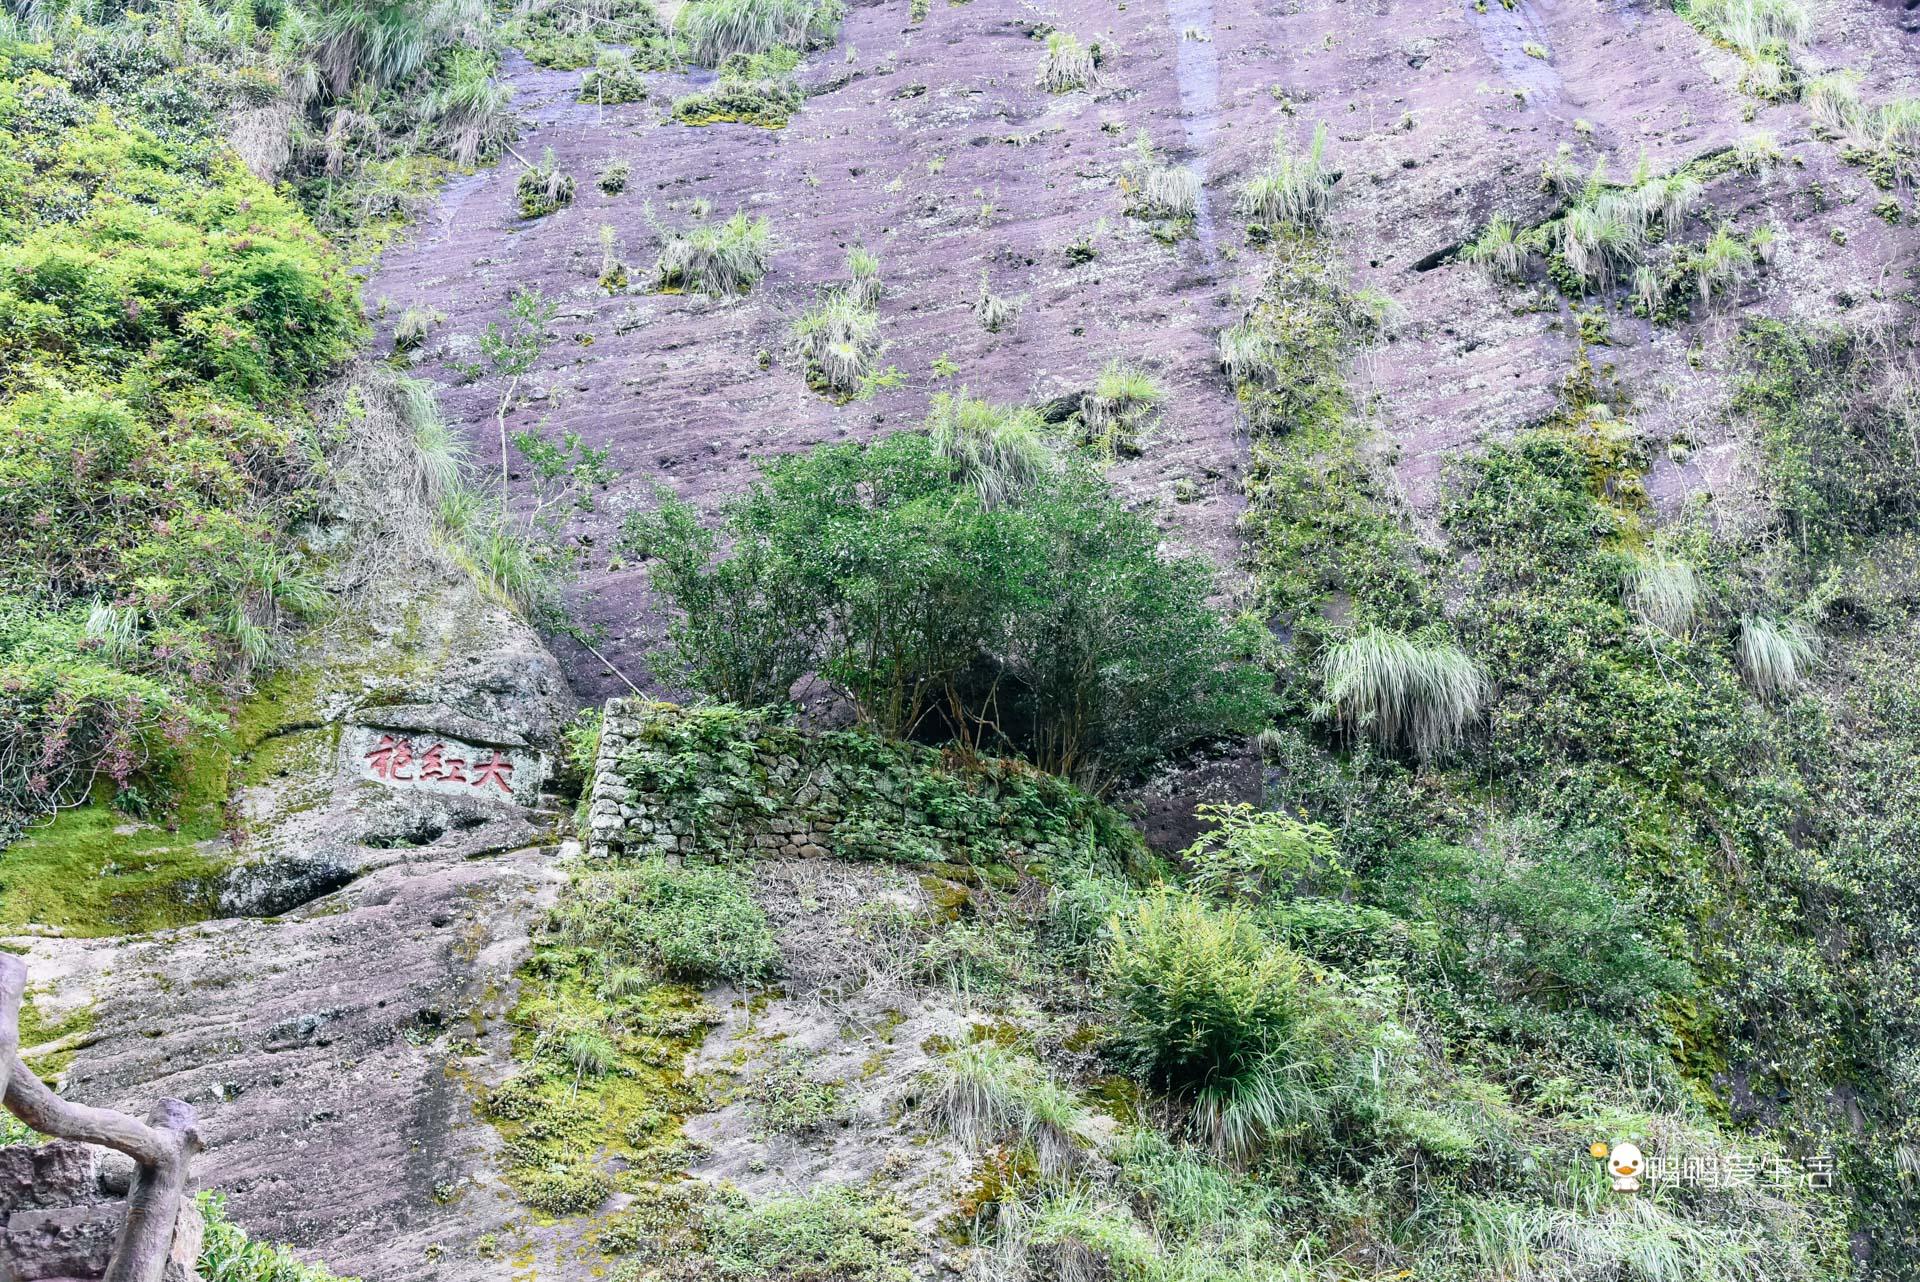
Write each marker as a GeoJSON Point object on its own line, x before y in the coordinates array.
{"type": "Point", "coordinates": [162, 1147]}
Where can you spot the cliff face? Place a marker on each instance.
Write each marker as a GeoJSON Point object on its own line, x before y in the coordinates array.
{"type": "Point", "coordinates": [794, 1004]}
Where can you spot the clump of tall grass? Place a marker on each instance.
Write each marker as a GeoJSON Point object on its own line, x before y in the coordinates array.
{"type": "Point", "coordinates": [1664, 593]}
{"type": "Point", "coordinates": [998, 450]}
{"type": "Point", "coordinates": [1419, 694]}
{"type": "Point", "coordinates": [469, 110]}
{"type": "Point", "coordinates": [1757, 28]}
{"type": "Point", "coordinates": [1758, 153]}
{"type": "Point", "coordinates": [836, 340]}
{"type": "Point", "coordinates": [1725, 261]}
{"type": "Point", "coordinates": [988, 1094]}
{"type": "Point", "coordinates": [863, 276]}
{"type": "Point", "coordinates": [1293, 189]}
{"type": "Point", "coordinates": [1167, 195]}
{"type": "Point", "coordinates": [1605, 229]}
{"type": "Point", "coordinates": [720, 260]}
{"type": "Point", "coordinates": [996, 311]}
{"type": "Point", "coordinates": [1776, 656]}
{"type": "Point", "coordinates": [1117, 414]}
{"type": "Point", "coordinates": [1069, 65]}
{"type": "Point", "coordinates": [714, 30]}
{"type": "Point", "coordinates": [1833, 100]}
{"type": "Point", "coordinates": [838, 337]}
{"type": "Point", "coordinates": [1498, 250]}
{"type": "Point", "coordinates": [544, 188]}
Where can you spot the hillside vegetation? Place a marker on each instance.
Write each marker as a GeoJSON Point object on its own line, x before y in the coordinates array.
{"type": "Point", "coordinates": [1501, 556]}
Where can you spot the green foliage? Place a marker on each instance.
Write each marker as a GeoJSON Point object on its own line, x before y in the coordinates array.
{"type": "Point", "coordinates": [1249, 854]}
{"type": "Point", "coordinates": [615, 78]}
{"type": "Point", "coordinates": [838, 1231]}
{"type": "Point", "coordinates": [1419, 693]}
{"type": "Point", "coordinates": [720, 260]}
{"type": "Point", "coordinates": [1052, 624]}
{"type": "Point", "coordinates": [715, 30]}
{"type": "Point", "coordinates": [171, 312]}
{"type": "Point", "coordinates": [1203, 999]}
{"type": "Point", "coordinates": [1838, 450]}
{"type": "Point", "coordinates": [690, 924]}
{"type": "Point", "coordinates": [754, 89]}
{"type": "Point", "coordinates": [1291, 191]}
{"type": "Point", "coordinates": [787, 1100]}
{"type": "Point", "coordinates": [567, 35]}
{"type": "Point", "coordinates": [544, 188]}
{"type": "Point", "coordinates": [227, 1254]}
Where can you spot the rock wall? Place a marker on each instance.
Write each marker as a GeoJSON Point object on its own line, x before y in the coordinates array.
{"type": "Point", "coordinates": [61, 1205]}
{"type": "Point", "coordinates": [706, 781]}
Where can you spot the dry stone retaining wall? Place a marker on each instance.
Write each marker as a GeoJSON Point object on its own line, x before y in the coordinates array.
{"type": "Point", "coordinates": [713, 781]}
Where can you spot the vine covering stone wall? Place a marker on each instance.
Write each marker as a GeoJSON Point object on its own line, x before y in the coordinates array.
{"type": "Point", "coordinates": [716, 781]}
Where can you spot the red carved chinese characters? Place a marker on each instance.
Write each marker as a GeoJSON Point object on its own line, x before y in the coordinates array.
{"type": "Point", "coordinates": [394, 760]}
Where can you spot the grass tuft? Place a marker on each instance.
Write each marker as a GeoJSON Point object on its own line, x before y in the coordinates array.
{"type": "Point", "coordinates": [998, 450]}
{"type": "Point", "coordinates": [1293, 189]}
{"type": "Point", "coordinates": [1420, 694]}
{"type": "Point", "coordinates": [1774, 656]}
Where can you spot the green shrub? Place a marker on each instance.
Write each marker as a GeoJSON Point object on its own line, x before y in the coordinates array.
{"type": "Point", "coordinates": [614, 176]}
{"type": "Point", "coordinates": [837, 1231]}
{"type": "Point", "coordinates": [565, 1188]}
{"type": "Point", "coordinates": [996, 450]}
{"type": "Point", "coordinates": [1249, 854]}
{"type": "Point", "coordinates": [227, 1254]}
{"type": "Point", "coordinates": [1202, 998]}
{"type": "Point", "coordinates": [695, 924]}
{"type": "Point", "coordinates": [1051, 624]}
{"type": "Point", "coordinates": [615, 78]}
{"type": "Point", "coordinates": [754, 89]}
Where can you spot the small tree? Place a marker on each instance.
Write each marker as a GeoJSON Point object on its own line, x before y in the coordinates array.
{"type": "Point", "coordinates": [1047, 623]}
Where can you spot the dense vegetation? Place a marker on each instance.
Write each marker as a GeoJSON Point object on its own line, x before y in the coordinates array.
{"type": "Point", "coordinates": [965, 585]}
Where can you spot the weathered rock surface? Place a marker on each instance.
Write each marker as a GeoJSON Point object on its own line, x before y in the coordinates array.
{"type": "Point", "coordinates": [330, 1055]}
{"type": "Point", "coordinates": [932, 145]}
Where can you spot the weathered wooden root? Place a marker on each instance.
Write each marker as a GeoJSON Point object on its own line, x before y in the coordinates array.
{"type": "Point", "coordinates": [162, 1147]}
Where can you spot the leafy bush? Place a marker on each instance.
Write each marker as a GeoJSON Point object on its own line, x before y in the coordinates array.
{"type": "Point", "coordinates": [227, 1254]}
{"type": "Point", "coordinates": [754, 89]}
{"type": "Point", "coordinates": [1202, 997]}
{"type": "Point", "coordinates": [615, 78]}
{"type": "Point", "coordinates": [695, 924]}
{"type": "Point", "coordinates": [1249, 854]}
{"type": "Point", "coordinates": [1051, 624]}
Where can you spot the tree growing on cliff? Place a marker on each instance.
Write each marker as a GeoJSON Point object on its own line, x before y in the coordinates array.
{"type": "Point", "coordinates": [1048, 624]}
